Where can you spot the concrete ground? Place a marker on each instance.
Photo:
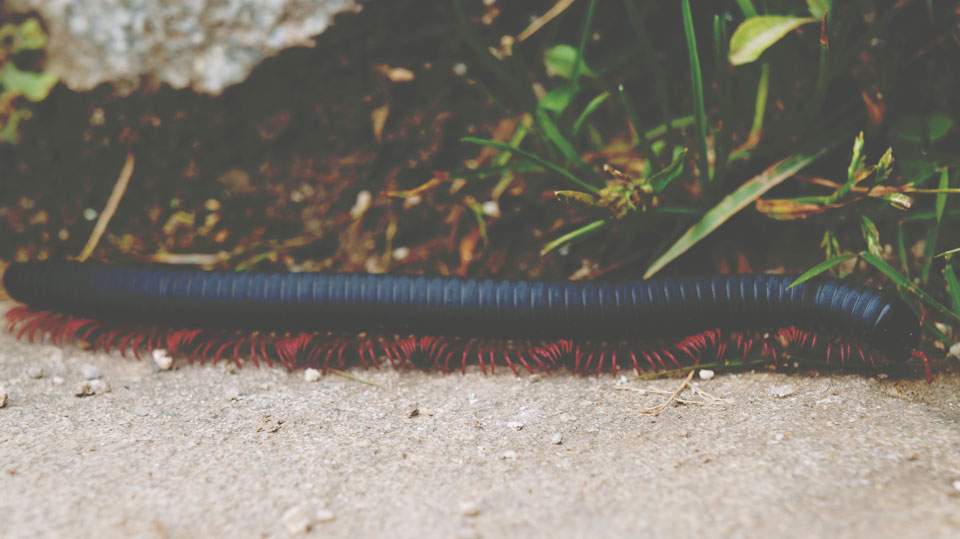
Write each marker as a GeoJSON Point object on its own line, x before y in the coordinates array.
{"type": "Point", "coordinates": [203, 450]}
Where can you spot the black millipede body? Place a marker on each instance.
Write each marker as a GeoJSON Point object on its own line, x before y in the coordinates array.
{"type": "Point", "coordinates": [314, 314]}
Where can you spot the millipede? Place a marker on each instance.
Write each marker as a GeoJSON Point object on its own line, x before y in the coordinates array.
{"type": "Point", "coordinates": [337, 320]}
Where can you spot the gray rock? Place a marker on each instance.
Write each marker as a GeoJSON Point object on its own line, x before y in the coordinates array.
{"type": "Point", "coordinates": [204, 44]}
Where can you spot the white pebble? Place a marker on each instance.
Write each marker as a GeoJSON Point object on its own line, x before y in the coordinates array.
{"type": "Point", "coordinates": [469, 509]}
{"type": "Point", "coordinates": [91, 372]}
{"type": "Point", "coordinates": [556, 439]}
{"type": "Point", "coordinates": [57, 380]}
{"type": "Point", "coordinates": [300, 518]}
{"type": "Point", "coordinates": [311, 375]}
{"type": "Point", "coordinates": [162, 359]}
{"type": "Point", "coordinates": [99, 387]}
{"type": "Point", "coordinates": [515, 425]}
{"type": "Point", "coordinates": [956, 485]}
{"type": "Point", "coordinates": [401, 253]}
{"type": "Point", "coordinates": [706, 374]}
{"type": "Point", "coordinates": [297, 520]}
{"type": "Point", "coordinates": [82, 389]}
{"type": "Point", "coordinates": [782, 391]}
{"type": "Point", "coordinates": [955, 351]}
{"type": "Point", "coordinates": [35, 372]}
{"type": "Point", "coordinates": [509, 455]}
{"type": "Point", "coordinates": [3, 397]}
{"type": "Point", "coordinates": [325, 515]}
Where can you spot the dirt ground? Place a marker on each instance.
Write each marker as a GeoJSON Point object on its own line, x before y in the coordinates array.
{"type": "Point", "coordinates": [205, 450]}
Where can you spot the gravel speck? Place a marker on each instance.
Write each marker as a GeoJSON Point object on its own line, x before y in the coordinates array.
{"type": "Point", "coordinates": [35, 371]}
{"type": "Point", "coordinates": [57, 380]}
{"type": "Point", "coordinates": [3, 397]}
{"type": "Point", "coordinates": [556, 439]}
{"type": "Point", "coordinates": [82, 389]}
{"type": "Point", "coordinates": [509, 455]}
{"type": "Point", "coordinates": [311, 375]}
{"type": "Point", "coordinates": [469, 509]}
{"type": "Point", "coordinates": [706, 374]}
{"type": "Point", "coordinates": [99, 387]}
{"type": "Point", "coordinates": [515, 425]}
{"type": "Point", "coordinates": [782, 391]}
{"type": "Point", "coordinates": [162, 359]}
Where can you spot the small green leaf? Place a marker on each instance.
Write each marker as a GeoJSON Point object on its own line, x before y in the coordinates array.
{"type": "Point", "coordinates": [910, 128]}
{"type": "Point", "coordinates": [938, 125]}
{"type": "Point", "coordinates": [662, 179]}
{"type": "Point", "coordinates": [822, 267]}
{"type": "Point", "coordinates": [759, 33]}
{"type": "Point", "coordinates": [871, 235]}
{"type": "Point", "coordinates": [884, 166]}
{"type": "Point", "coordinates": [856, 160]}
{"type": "Point", "coordinates": [33, 86]}
{"type": "Point", "coordinates": [560, 59]}
{"type": "Point", "coordinates": [556, 100]}
{"type": "Point", "coordinates": [818, 8]}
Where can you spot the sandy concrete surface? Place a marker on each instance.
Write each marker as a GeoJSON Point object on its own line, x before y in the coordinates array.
{"type": "Point", "coordinates": [204, 451]}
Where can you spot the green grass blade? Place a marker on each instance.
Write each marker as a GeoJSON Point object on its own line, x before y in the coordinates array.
{"type": "Point", "coordinates": [593, 105]}
{"type": "Point", "coordinates": [723, 141]}
{"type": "Point", "coordinates": [662, 179]}
{"type": "Point", "coordinates": [822, 267]}
{"type": "Point", "coordinates": [746, 7]}
{"type": "Point", "coordinates": [902, 251]}
{"type": "Point", "coordinates": [760, 107]}
{"type": "Point", "coordinates": [745, 195]}
{"type": "Point", "coordinates": [584, 37]}
{"type": "Point", "coordinates": [570, 236]}
{"type": "Point", "coordinates": [535, 158]}
{"type": "Point", "coordinates": [549, 128]}
{"type": "Point", "coordinates": [696, 81]}
{"type": "Point", "coordinates": [907, 285]}
{"type": "Point", "coordinates": [942, 197]}
{"type": "Point", "coordinates": [953, 287]}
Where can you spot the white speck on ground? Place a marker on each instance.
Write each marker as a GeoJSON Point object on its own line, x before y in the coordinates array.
{"type": "Point", "coordinates": [706, 374]}
{"type": "Point", "coordinates": [169, 456]}
{"type": "Point", "coordinates": [311, 375]}
{"type": "Point", "coordinates": [162, 359]}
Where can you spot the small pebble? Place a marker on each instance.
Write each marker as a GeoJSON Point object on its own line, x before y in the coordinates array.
{"type": "Point", "coordinates": [57, 380]}
{"type": "Point", "coordinates": [300, 518]}
{"type": "Point", "coordinates": [297, 520]}
{"type": "Point", "coordinates": [311, 375]}
{"type": "Point", "coordinates": [955, 350]}
{"type": "Point", "coordinates": [515, 425]}
{"type": "Point", "coordinates": [3, 397]}
{"type": "Point", "coordinates": [469, 509]}
{"type": "Point", "coordinates": [232, 394]}
{"type": "Point", "coordinates": [325, 515]}
{"type": "Point", "coordinates": [509, 455]}
{"type": "Point", "coordinates": [35, 372]}
{"type": "Point", "coordinates": [556, 439]}
{"type": "Point", "coordinates": [706, 374]}
{"type": "Point", "coordinates": [782, 391]}
{"type": "Point", "coordinates": [82, 389]}
{"type": "Point", "coordinates": [99, 387]}
{"type": "Point", "coordinates": [162, 359]}
{"type": "Point", "coordinates": [91, 372]}
{"type": "Point", "coordinates": [956, 484]}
